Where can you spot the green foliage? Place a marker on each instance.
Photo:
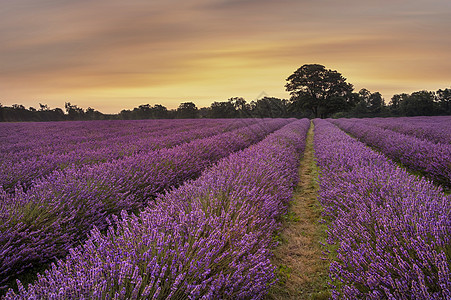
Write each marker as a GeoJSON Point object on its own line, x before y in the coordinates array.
{"type": "Point", "coordinates": [418, 104]}
{"type": "Point", "coordinates": [283, 273]}
{"type": "Point", "coordinates": [223, 110]}
{"type": "Point", "coordinates": [443, 99]}
{"type": "Point", "coordinates": [187, 110]}
{"type": "Point", "coordinates": [323, 91]}
{"type": "Point", "coordinates": [365, 104]}
{"type": "Point", "coordinates": [421, 103]}
{"type": "Point", "coordinates": [145, 111]}
{"type": "Point", "coordinates": [270, 107]}
{"type": "Point", "coordinates": [290, 217]}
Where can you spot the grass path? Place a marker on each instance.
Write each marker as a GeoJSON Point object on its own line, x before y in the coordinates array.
{"type": "Point", "coordinates": [302, 272]}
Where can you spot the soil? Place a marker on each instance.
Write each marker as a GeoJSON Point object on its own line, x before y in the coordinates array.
{"type": "Point", "coordinates": [302, 265]}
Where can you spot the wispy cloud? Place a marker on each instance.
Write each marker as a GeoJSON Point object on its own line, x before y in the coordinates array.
{"type": "Point", "coordinates": [113, 54]}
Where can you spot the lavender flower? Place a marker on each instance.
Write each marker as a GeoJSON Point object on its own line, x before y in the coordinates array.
{"type": "Point", "coordinates": [57, 211]}
{"type": "Point", "coordinates": [209, 238]}
{"type": "Point", "coordinates": [393, 229]}
{"type": "Point", "coordinates": [429, 158]}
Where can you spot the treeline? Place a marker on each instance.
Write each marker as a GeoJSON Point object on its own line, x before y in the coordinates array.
{"type": "Point", "coordinates": [361, 104]}
{"type": "Point", "coordinates": [237, 107]}
{"type": "Point", "coordinates": [421, 103]}
{"type": "Point", "coordinates": [18, 113]}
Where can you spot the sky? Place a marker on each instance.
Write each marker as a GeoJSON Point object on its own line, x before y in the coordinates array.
{"type": "Point", "coordinates": [115, 54]}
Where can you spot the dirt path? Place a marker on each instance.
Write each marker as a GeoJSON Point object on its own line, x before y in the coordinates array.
{"type": "Point", "coordinates": [302, 272]}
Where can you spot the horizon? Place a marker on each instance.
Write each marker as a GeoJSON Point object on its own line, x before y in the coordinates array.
{"type": "Point", "coordinates": [111, 55]}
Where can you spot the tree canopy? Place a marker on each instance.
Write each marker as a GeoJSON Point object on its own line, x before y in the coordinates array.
{"type": "Point", "coordinates": [320, 90]}
{"type": "Point", "coordinates": [187, 110]}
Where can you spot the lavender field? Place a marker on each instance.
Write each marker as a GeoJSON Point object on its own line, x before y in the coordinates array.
{"type": "Point", "coordinates": [189, 209]}
{"type": "Point", "coordinates": [393, 229]}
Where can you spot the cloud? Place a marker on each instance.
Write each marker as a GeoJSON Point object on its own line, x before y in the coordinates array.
{"type": "Point", "coordinates": [214, 49]}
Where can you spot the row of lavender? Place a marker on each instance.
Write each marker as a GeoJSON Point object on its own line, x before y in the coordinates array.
{"type": "Point", "coordinates": [58, 211]}
{"type": "Point", "coordinates": [393, 229]}
{"type": "Point", "coordinates": [434, 129]}
{"type": "Point", "coordinates": [63, 150]}
{"type": "Point", "coordinates": [26, 136]}
{"type": "Point", "coordinates": [428, 158]}
{"type": "Point", "coordinates": [38, 139]}
{"type": "Point", "coordinates": [209, 239]}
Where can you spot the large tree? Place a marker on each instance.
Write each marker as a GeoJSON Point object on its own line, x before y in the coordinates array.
{"type": "Point", "coordinates": [320, 90]}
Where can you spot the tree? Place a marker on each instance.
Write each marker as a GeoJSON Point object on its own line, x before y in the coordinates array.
{"type": "Point", "coordinates": [418, 104]}
{"type": "Point", "coordinates": [187, 110]}
{"type": "Point", "coordinates": [43, 107]}
{"type": "Point", "coordinates": [322, 91]}
{"type": "Point", "coordinates": [144, 111]}
{"type": "Point", "coordinates": [159, 111]}
{"type": "Point", "coordinates": [368, 104]}
{"type": "Point", "coordinates": [270, 107]}
{"type": "Point", "coordinates": [376, 103]}
{"type": "Point", "coordinates": [56, 114]}
{"type": "Point", "coordinates": [443, 98]}
{"type": "Point", "coordinates": [92, 114]}
{"type": "Point", "coordinates": [395, 101]}
{"type": "Point", "coordinates": [18, 107]}
{"type": "Point", "coordinates": [242, 108]}
{"type": "Point", "coordinates": [224, 109]}
{"type": "Point", "coordinates": [204, 112]}
{"type": "Point", "coordinates": [73, 111]}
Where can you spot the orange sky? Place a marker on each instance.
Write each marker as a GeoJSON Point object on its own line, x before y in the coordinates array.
{"type": "Point", "coordinates": [111, 54]}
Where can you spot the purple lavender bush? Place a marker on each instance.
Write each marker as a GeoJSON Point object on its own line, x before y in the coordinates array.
{"type": "Point", "coordinates": [25, 158]}
{"type": "Point", "coordinates": [393, 230]}
{"type": "Point", "coordinates": [428, 158]}
{"type": "Point", "coordinates": [209, 239]}
{"type": "Point", "coordinates": [58, 211]}
{"type": "Point", "coordinates": [434, 129]}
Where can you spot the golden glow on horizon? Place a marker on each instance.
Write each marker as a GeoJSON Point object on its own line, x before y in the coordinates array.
{"type": "Point", "coordinates": [111, 56]}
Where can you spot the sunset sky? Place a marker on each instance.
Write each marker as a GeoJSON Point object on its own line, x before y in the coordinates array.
{"type": "Point", "coordinates": [113, 55]}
